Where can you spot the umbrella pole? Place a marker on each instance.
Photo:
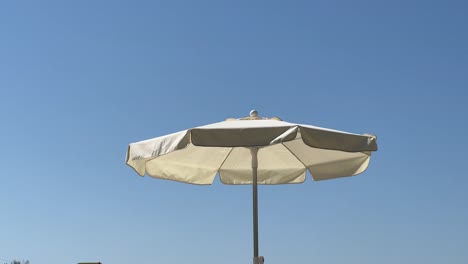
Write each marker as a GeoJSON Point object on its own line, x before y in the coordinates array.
{"type": "Point", "coordinates": [254, 151]}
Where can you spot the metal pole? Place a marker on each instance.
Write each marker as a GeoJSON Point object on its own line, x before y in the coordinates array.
{"type": "Point", "coordinates": [254, 152]}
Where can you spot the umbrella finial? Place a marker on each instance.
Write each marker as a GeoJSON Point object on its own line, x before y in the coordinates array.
{"type": "Point", "coordinates": [254, 113]}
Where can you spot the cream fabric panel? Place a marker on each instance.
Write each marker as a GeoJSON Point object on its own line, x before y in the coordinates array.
{"type": "Point", "coordinates": [138, 153]}
{"type": "Point", "coordinates": [192, 165]}
{"type": "Point", "coordinates": [275, 166]}
{"type": "Point", "coordinates": [328, 164]}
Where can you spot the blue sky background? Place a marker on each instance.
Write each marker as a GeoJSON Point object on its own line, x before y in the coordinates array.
{"type": "Point", "coordinates": [79, 80]}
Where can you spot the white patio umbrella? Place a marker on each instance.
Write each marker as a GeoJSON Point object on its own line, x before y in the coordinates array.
{"type": "Point", "coordinates": [252, 150]}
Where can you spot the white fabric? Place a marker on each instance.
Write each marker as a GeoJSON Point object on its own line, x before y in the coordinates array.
{"type": "Point", "coordinates": [286, 152]}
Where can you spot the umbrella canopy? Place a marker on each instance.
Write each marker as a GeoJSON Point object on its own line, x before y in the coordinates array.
{"type": "Point", "coordinates": [285, 152]}
{"type": "Point", "coordinates": [252, 150]}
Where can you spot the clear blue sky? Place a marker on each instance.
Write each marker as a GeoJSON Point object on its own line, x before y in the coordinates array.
{"type": "Point", "coordinates": [79, 80]}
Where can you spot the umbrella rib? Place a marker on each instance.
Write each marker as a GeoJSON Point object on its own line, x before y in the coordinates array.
{"type": "Point", "coordinates": [346, 159]}
{"type": "Point", "coordinates": [305, 166]}
{"type": "Point", "coordinates": [222, 163]}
